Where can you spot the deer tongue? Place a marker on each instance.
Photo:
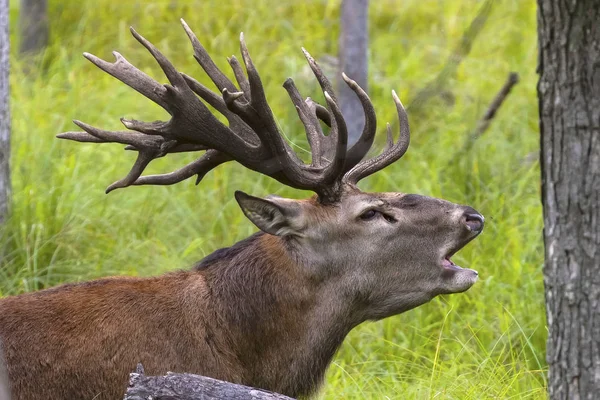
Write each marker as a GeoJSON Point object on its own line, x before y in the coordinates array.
{"type": "Point", "coordinates": [447, 263]}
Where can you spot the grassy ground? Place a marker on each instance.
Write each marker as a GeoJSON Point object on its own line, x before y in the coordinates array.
{"type": "Point", "coordinates": [487, 343]}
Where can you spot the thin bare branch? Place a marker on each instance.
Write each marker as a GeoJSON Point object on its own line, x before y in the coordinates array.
{"type": "Point", "coordinates": [490, 113]}
{"type": "Point", "coordinates": [436, 85]}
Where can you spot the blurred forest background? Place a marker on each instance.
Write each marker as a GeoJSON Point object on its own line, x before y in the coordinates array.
{"type": "Point", "coordinates": [486, 343]}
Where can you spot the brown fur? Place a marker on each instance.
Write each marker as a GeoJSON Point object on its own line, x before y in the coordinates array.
{"type": "Point", "coordinates": [80, 341]}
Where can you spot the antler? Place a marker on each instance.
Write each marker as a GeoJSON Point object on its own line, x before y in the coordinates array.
{"type": "Point", "coordinates": [252, 137]}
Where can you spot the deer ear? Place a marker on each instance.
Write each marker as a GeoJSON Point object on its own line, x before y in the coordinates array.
{"type": "Point", "coordinates": [276, 215]}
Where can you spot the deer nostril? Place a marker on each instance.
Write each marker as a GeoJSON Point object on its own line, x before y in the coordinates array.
{"type": "Point", "coordinates": [474, 221]}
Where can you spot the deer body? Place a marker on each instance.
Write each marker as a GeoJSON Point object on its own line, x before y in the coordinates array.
{"type": "Point", "coordinates": [272, 310]}
{"type": "Point", "coordinates": [267, 312]}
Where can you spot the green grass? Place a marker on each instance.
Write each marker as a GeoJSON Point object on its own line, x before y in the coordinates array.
{"type": "Point", "coordinates": [486, 343]}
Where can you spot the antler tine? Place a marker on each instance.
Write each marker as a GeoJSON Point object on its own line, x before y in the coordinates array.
{"type": "Point", "coordinates": [326, 86]}
{"type": "Point", "coordinates": [314, 133]}
{"type": "Point", "coordinates": [332, 147]}
{"type": "Point", "coordinates": [137, 140]}
{"type": "Point", "coordinates": [390, 155]}
{"type": "Point", "coordinates": [209, 161]}
{"type": "Point", "coordinates": [142, 161]}
{"type": "Point", "coordinates": [82, 137]}
{"type": "Point", "coordinates": [339, 136]}
{"type": "Point", "coordinates": [360, 149]}
{"type": "Point", "coordinates": [220, 80]}
{"type": "Point", "coordinates": [239, 76]}
{"type": "Point", "coordinates": [170, 72]}
{"type": "Point", "coordinates": [124, 71]}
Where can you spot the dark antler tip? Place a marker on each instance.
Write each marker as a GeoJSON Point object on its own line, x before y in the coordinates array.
{"type": "Point", "coordinates": [114, 186]}
{"type": "Point", "coordinates": [200, 177]}
{"type": "Point", "coordinates": [239, 195]}
{"type": "Point", "coordinates": [288, 82]}
{"type": "Point", "coordinates": [80, 124]}
{"type": "Point", "coordinates": [139, 37]}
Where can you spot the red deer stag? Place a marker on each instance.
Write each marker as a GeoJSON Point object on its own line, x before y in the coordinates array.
{"type": "Point", "coordinates": [271, 310]}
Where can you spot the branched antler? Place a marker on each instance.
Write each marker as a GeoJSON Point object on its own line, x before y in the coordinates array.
{"type": "Point", "coordinates": [252, 136]}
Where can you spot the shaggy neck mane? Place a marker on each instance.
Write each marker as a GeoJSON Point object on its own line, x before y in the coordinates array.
{"type": "Point", "coordinates": [283, 325]}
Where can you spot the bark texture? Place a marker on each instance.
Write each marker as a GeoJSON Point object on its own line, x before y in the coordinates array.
{"type": "Point", "coordinates": [569, 103]}
{"type": "Point", "coordinates": [33, 22]}
{"type": "Point", "coordinates": [191, 387]}
{"type": "Point", "coordinates": [4, 112]}
{"type": "Point", "coordinates": [354, 46]}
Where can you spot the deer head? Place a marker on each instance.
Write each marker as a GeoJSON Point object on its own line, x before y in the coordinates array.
{"type": "Point", "coordinates": [391, 240]}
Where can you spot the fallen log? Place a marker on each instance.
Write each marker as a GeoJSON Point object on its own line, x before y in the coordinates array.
{"type": "Point", "coordinates": [174, 386]}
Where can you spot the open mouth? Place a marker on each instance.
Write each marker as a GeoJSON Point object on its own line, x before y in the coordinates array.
{"type": "Point", "coordinates": [449, 264]}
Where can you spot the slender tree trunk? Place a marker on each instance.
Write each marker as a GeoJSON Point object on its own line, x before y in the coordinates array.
{"type": "Point", "coordinates": [354, 45]}
{"type": "Point", "coordinates": [4, 112]}
{"type": "Point", "coordinates": [33, 24]}
{"type": "Point", "coordinates": [569, 102]}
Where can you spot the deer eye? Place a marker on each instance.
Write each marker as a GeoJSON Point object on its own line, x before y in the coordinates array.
{"type": "Point", "coordinates": [369, 214]}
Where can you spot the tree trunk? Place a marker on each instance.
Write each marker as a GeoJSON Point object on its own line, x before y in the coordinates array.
{"type": "Point", "coordinates": [33, 23]}
{"type": "Point", "coordinates": [569, 102]}
{"type": "Point", "coordinates": [4, 112]}
{"type": "Point", "coordinates": [353, 54]}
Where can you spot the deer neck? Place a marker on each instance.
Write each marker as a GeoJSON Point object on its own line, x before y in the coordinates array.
{"type": "Point", "coordinates": [285, 325]}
